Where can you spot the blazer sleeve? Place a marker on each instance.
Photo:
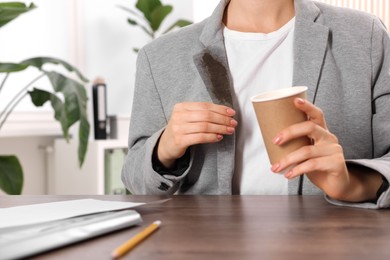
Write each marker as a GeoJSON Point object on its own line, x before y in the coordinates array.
{"type": "Point", "coordinates": [380, 56]}
{"type": "Point", "coordinates": [147, 123]}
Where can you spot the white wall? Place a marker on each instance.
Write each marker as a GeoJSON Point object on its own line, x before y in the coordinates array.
{"type": "Point", "coordinates": [108, 42]}
{"type": "Point", "coordinates": [203, 8]}
{"type": "Point", "coordinates": [91, 34]}
{"type": "Point", "coordinates": [41, 32]}
{"type": "Point", "coordinates": [34, 158]}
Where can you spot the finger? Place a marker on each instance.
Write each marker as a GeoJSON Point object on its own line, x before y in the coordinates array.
{"type": "Point", "coordinates": [306, 153]}
{"type": "Point", "coordinates": [205, 127]}
{"type": "Point", "coordinates": [206, 116]}
{"type": "Point", "coordinates": [307, 128]}
{"type": "Point", "coordinates": [318, 165]}
{"type": "Point", "coordinates": [219, 109]}
{"type": "Point", "coordinates": [314, 113]}
{"type": "Point", "coordinates": [200, 138]}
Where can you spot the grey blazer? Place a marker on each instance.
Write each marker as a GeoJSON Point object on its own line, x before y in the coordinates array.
{"type": "Point", "coordinates": [342, 55]}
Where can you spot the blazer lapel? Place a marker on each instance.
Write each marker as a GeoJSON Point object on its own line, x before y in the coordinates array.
{"type": "Point", "coordinates": [212, 65]}
{"type": "Point", "coordinates": [211, 62]}
{"type": "Point", "coordinates": [310, 43]}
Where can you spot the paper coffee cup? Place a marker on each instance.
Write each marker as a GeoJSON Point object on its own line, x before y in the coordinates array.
{"type": "Point", "coordinates": [275, 111]}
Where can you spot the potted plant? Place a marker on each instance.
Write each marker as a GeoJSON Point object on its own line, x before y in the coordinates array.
{"type": "Point", "coordinates": [149, 15]}
{"type": "Point", "coordinates": [68, 100]}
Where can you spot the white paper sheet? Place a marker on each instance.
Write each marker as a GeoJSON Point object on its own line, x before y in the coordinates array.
{"type": "Point", "coordinates": [45, 212]}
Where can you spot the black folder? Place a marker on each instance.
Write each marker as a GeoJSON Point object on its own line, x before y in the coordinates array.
{"type": "Point", "coordinates": [100, 110]}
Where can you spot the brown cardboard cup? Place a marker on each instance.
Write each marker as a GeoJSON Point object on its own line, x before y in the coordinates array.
{"type": "Point", "coordinates": [275, 111]}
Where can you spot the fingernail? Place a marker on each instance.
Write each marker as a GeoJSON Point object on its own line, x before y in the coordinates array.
{"type": "Point", "coordinates": [275, 167]}
{"type": "Point", "coordinates": [277, 139]}
{"type": "Point", "coordinates": [300, 101]}
{"type": "Point", "coordinates": [288, 174]}
{"type": "Point", "coordinates": [230, 111]}
{"type": "Point", "coordinates": [233, 123]}
{"type": "Point", "coordinates": [219, 137]}
{"type": "Point", "coordinates": [230, 130]}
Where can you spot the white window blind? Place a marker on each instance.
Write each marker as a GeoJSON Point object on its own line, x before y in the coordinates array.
{"type": "Point", "coordinates": [380, 8]}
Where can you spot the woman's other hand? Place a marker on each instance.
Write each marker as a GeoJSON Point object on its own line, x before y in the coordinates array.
{"type": "Point", "coordinates": [323, 162]}
{"type": "Point", "coordinates": [194, 123]}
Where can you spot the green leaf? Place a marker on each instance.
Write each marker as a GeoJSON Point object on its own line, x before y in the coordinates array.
{"type": "Point", "coordinates": [146, 30]}
{"type": "Point", "coordinates": [73, 109]}
{"type": "Point", "coordinates": [136, 50]}
{"type": "Point", "coordinates": [179, 23]}
{"type": "Point", "coordinates": [38, 62]}
{"type": "Point", "coordinates": [40, 97]}
{"type": "Point", "coordinates": [147, 7]}
{"type": "Point", "coordinates": [132, 12]}
{"type": "Point", "coordinates": [12, 67]}
{"type": "Point", "coordinates": [151, 34]}
{"type": "Point", "coordinates": [11, 10]}
{"type": "Point", "coordinates": [132, 22]}
{"type": "Point", "coordinates": [84, 129]}
{"type": "Point", "coordinates": [11, 175]}
{"type": "Point", "coordinates": [158, 15]}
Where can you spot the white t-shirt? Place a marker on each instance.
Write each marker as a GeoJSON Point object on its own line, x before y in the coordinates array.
{"type": "Point", "coordinates": [258, 62]}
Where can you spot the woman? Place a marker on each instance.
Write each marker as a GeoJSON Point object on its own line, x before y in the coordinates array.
{"type": "Point", "coordinates": [192, 131]}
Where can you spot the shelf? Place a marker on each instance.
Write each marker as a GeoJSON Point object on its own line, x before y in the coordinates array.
{"type": "Point", "coordinates": [110, 144]}
{"type": "Point", "coordinates": [30, 124]}
{"type": "Point", "coordinates": [90, 179]}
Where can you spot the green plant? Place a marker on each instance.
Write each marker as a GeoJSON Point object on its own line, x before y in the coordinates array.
{"type": "Point", "coordinates": [69, 100]}
{"type": "Point", "coordinates": [149, 16]}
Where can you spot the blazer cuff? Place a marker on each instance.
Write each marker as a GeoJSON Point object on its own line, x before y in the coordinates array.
{"type": "Point", "coordinates": [383, 201]}
{"type": "Point", "coordinates": [181, 164]}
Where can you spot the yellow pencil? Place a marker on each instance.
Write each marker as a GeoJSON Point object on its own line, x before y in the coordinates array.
{"type": "Point", "coordinates": [128, 245]}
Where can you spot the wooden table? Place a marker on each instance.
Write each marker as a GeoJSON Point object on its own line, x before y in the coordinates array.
{"type": "Point", "coordinates": [238, 227]}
